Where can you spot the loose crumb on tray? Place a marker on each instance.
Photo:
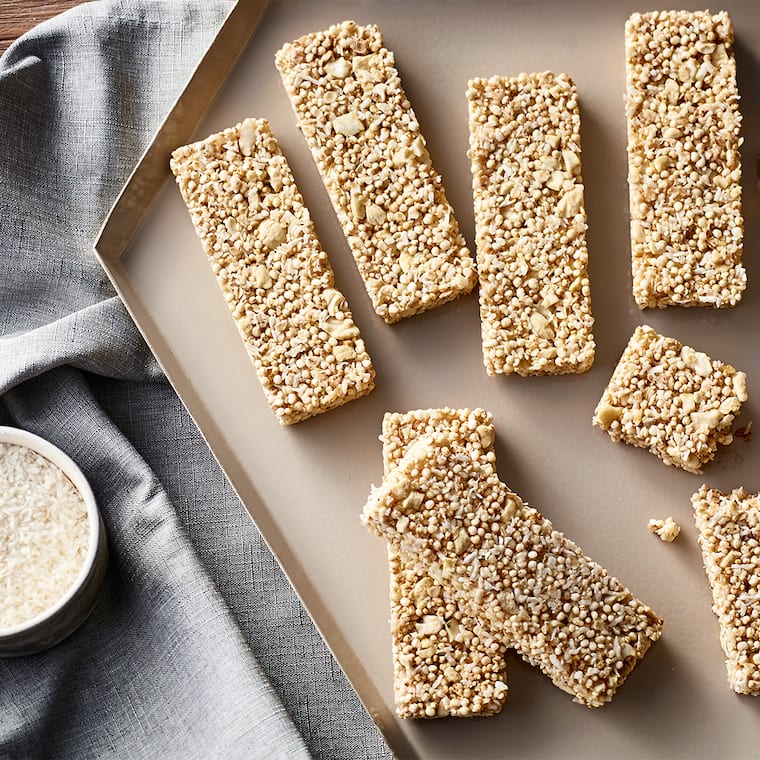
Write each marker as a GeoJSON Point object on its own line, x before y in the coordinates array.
{"type": "Point", "coordinates": [667, 529]}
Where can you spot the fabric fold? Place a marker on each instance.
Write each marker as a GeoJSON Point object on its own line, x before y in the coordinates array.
{"type": "Point", "coordinates": [177, 642]}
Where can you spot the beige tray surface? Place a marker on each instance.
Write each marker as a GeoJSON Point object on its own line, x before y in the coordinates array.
{"type": "Point", "coordinates": [305, 485]}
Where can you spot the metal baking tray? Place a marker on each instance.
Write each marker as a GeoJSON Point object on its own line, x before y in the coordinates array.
{"type": "Point", "coordinates": [305, 485]}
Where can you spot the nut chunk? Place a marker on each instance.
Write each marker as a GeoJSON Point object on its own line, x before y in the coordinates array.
{"type": "Point", "coordinates": [729, 535]}
{"type": "Point", "coordinates": [276, 278]}
{"type": "Point", "coordinates": [672, 400]}
{"type": "Point", "coordinates": [684, 169]}
{"type": "Point", "coordinates": [559, 609]}
{"type": "Point", "coordinates": [530, 225]}
{"type": "Point", "coordinates": [445, 662]}
{"type": "Point", "coordinates": [667, 530]}
{"type": "Point", "coordinates": [366, 141]}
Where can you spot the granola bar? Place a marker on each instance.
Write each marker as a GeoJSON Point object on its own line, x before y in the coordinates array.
{"type": "Point", "coordinates": [445, 662]}
{"type": "Point", "coordinates": [274, 274]}
{"type": "Point", "coordinates": [729, 536]}
{"type": "Point", "coordinates": [668, 398]}
{"type": "Point", "coordinates": [530, 224]}
{"type": "Point", "coordinates": [562, 611]}
{"type": "Point", "coordinates": [684, 166]}
{"type": "Point", "coordinates": [367, 144]}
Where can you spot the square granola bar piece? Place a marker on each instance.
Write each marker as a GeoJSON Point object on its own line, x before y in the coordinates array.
{"type": "Point", "coordinates": [668, 398]}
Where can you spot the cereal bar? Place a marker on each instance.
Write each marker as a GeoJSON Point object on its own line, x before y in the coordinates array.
{"type": "Point", "coordinates": [562, 612]}
{"type": "Point", "coordinates": [276, 279]}
{"type": "Point", "coordinates": [684, 169]}
{"type": "Point", "coordinates": [530, 224]}
{"type": "Point", "coordinates": [445, 661]}
{"type": "Point", "coordinates": [672, 400]}
{"type": "Point", "coordinates": [367, 144]}
{"type": "Point", "coordinates": [729, 535]}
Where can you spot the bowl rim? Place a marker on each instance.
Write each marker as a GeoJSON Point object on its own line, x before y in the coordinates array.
{"type": "Point", "coordinates": [56, 456]}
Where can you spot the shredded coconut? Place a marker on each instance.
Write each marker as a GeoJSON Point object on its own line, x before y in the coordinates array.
{"type": "Point", "coordinates": [43, 534]}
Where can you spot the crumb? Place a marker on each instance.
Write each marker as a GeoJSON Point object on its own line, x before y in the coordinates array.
{"type": "Point", "coordinates": [667, 529]}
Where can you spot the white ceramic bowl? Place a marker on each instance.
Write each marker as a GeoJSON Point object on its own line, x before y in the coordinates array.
{"type": "Point", "coordinates": [61, 619]}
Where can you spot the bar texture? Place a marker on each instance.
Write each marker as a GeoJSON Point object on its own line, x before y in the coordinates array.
{"type": "Point", "coordinates": [684, 167]}
{"type": "Point", "coordinates": [275, 277]}
{"type": "Point", "coordinates": [562, 612]}
{"type": "Point", "coordinates": [445, 662]}
{"type": "Point", "coordinates": [530, 224]}
{"type": "Point", "coordinates": [729, 536]}
{"type": "Point", "coordinates": [672, 400]}
{"type": "Point", "coordinates": [366, 141]}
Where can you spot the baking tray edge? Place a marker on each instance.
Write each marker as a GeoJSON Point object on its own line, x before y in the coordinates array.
{"type": "Point", "coordinates": [117, 231]}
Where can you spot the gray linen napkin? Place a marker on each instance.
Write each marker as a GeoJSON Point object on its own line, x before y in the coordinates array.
{"type": "Point", "coordinates": [198, 647]}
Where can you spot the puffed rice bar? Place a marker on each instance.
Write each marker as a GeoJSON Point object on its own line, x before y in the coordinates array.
{"type": "Point", "coordinates": [445, 662]}
{"type": "Point", "coordinates": [276, 279]}
{"type": "Point", "coordinates": [684, 167]}
{"type": "Point", "coordinates": [672, 400]}
{"type": "Point", "coordinates": [530, 224]}
{"type": "Point", "coordinates": [563, 612]}
{"type": "Point", "coordinates": [367, 144]}
{"type": "Point", "coordinates": [729, 536]}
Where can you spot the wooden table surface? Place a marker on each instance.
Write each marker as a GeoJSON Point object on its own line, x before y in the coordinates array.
{"type": "Point", "coordinates": [18, 16]}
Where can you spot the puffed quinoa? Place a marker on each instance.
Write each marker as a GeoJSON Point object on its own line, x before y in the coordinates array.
{"type": "Point", "coordinates": [445, 662]}
{"type": "Point", "coordinates": [275, 277]}
{"type": "Point", "coordinates": [366, 141]}
{"type": "Point", "coordinates": [530, 225]}
{"type": "Point", "coordinates": [684, 166]}
{"type": "Point", "coordinates": [672, 400]}
{"type": "Point", "coordinates": [729, 536]}
{"type": "Point", "coordinates": [668, 529]}
{"type": "Point", "coordinates": [560, 610]}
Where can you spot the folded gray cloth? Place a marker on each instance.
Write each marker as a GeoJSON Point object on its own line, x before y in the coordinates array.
{"type": "Point", "coordinates": [198, 647]}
